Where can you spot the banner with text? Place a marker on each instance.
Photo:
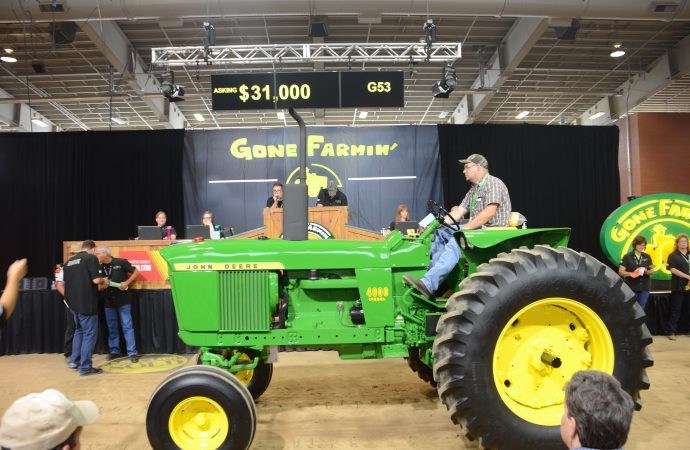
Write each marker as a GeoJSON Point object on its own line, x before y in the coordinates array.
{"type": "Point", "coordinates": [231, 172]}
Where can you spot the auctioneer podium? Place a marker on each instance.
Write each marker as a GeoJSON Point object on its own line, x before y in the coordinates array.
{"type": "Point", "coordinates": [324, 223]}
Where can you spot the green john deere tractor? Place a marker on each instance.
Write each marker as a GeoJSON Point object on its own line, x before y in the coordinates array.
{"type": "Point", "coordinates": [517, 317]}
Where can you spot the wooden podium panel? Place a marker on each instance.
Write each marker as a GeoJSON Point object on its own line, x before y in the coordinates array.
{"type": "Point", "coordinates": [142, 254]}
{"type": "Point", "coordinates": [334, 218]}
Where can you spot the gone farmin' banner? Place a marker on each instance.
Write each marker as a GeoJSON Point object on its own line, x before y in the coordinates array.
{"type": "Point", "coordinates": [231, 172]}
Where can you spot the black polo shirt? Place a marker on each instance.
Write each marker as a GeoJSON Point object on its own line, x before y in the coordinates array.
{"type": "Point", "coordinates": [80, 292]}
{"type": "Point", "coordinates": [270, 201]}
{"type": "Point", "coordinates": [677, 260]}
{"type": "Point", "coordinates": [164, 231]}
{"type": "Point", "coordinates": [117, 270]}
{"type": "Point", "coordinates": [632, 263]}
{"type": "Point", "coordinates": [339, 199]}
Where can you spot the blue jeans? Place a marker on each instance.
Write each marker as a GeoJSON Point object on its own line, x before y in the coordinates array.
{"type": "Point", "coordinates": [125, 313]}
{"type": "Point", "coordinates": [677, 299]}
{"type": "Point", "coordinates": [445, 254]}
{"type": "Point", "coordinates": [642, 298]}
{"type": "Point", "coordinates": [85, 335]}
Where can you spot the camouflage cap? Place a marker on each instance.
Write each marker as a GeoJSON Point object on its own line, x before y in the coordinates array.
{"type": "Point", "coordinates": [475, 158]}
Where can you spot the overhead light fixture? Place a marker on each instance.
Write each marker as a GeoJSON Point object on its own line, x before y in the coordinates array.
{"type": "Point", "coordinates": [618, 50]}
{"type": "Point", "coordinates": [429, 36]}
{"type": "Point", "coordinates": [317, 27]}
{"type": "Point", "coordinates": [8, 49]}
{"type": "Point", "coordinates": [39, 122]}
{"type": "Point", "coordinates": [363, 114]}
{"type": "Point", "coordinates": [8, 59]}
{"type": "Point", "coordinates": [199, 117]}
{"type": "Point", "coordinates": [119, 121]}
{"type": "Point", "coordinates": [281, 115]}
{"type": "Point", "coordinates": [522, 115]}
{"type": "Point", "coordinates": [443, 88]}
{"type": "Point", "coordinates": [596, 115]}
{"type": "Point", "coordinates": [170, 90]}
{"type": "Point", "coordinates": [443, 115]}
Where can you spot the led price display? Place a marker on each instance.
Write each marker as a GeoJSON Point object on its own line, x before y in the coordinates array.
{"type": "Point", "coordinates": [372, 89]}
{"type": "Point", "coordinates": [307, 90]}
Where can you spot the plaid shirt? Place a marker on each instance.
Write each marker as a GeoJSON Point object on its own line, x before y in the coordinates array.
{"type": "Point", "coordinates": [492, 191]}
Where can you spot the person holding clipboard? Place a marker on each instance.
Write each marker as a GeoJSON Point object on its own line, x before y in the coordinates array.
{"type": "Point", "coordinates": [636, 269]}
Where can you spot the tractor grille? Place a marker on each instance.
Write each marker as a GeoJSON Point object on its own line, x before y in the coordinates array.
{"type": "Point", "coordinates": [244, 301]}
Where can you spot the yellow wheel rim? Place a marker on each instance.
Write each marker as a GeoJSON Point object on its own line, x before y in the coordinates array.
{"type": "Point", "coordinates": [198, 423]}
{"type": "Point", "coordinates": [539, 350]}
{"type": "Point", "coordinates": [245, 376]}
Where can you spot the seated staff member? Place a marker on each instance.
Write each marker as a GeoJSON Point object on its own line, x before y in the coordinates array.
{"type": "Point", "coordinates": [636, 269]}
{"type": "Point", "coordinates": [331, 195]}
{"type": "Point", "coordinates": [679, 265]}
{"type": "Point", "coordinates": [402, 214]}
{"type": "Point", "coordinates": [209, 219]}
{"type": "Point", "coordinates": [276, 200]}
{"type": "Point", "coordinates": [167, 231]}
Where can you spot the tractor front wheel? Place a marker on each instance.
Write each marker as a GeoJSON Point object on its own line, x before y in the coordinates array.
{"type": "Point", "coordinates": [201, 407]}
{"type": "Point", "coordinates": [517, 331]}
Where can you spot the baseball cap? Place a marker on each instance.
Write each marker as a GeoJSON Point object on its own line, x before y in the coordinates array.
{"type": "Point", "coordinates": [332, 187]}
{"type": "Point", "coordinates": [42, 421]}
{"type": "Point", "coordinates": [475, 158]}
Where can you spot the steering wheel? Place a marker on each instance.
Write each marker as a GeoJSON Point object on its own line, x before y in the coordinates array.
{"type": "Point", "coordinates": [440, 212]}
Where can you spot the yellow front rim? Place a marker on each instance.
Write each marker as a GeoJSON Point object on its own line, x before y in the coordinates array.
{"type": "Point", "coordinates": [245, 376]}
{"type": "Point", "coordinates": [539, 350]}
{"type": "Point", "coordinates": [198, 423]}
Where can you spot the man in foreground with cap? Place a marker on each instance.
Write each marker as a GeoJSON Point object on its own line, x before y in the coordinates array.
{"type": "Point", "coordinates": [46, 421]}
{"type": "Point", "coordinates": [331, 196]}
{"type": "Point", "coordinates": [488, 203]}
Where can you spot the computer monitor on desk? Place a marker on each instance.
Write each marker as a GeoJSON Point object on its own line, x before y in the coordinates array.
{"type": "Point", "coordinates": [149, 233]}
{"type": "Point", "coordinates": [406, 228]}
{"type": "Point", "coordinates": [197, 231]}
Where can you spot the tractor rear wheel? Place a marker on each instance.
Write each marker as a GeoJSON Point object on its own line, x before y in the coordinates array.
{"type": "Point", "coordinates": [424, 372]}
{"type": "Point", "coordinates": [517, 331]}
{"type": "Point", "coordinates": [201, 407]}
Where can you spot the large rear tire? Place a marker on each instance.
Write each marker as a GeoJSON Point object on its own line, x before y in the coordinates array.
{"type": "Point", "coordinates": [201, 407]}
{"type": "Point", "coordinates": [517, 331]}
{"type": "Point", "coordinates": [424, 372]}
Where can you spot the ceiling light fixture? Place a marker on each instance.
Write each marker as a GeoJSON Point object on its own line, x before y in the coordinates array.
{"type": "Point", "coordinates": [443, 88]}
{"type": "Point", "coordinates": [443, 115]}
{"type": "Point", "coordinates": [199, 117]}
{"type": "Point", "coordinates": [522, 115]}
{"type": "Point", "coordinates": [618, 50]}
{"type": "Point", "coordinates": [281, 115]}
{"type": "Point", "coordinates": [119, 121]}
{"type": "Point", "coordinates": [363, 114]}
{"type": "Point", "coordinates": [170, 90]}
{"type": "Point", "coordinates": [39, 122]}
{"type": "Point", "coordinates": [8, 49]}
{"type": "Point", "coordinates": [8, 59]}
{"type": "Point", "coordinates": [596, 115]}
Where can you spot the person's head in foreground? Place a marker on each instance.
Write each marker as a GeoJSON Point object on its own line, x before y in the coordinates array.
{"type": "Point", "coordinates": [598, 412]}
{"type": "Point", "coordinates": [45, 421]}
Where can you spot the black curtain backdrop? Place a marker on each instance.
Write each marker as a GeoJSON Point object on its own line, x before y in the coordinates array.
{"type": "Point", "coordinates": [557, 176]}
{"type": "Point", "coordinates": [68, 186]}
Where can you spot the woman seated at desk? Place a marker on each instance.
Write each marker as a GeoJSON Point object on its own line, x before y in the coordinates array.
{"type": "Point", "coordinates": [215, 231]}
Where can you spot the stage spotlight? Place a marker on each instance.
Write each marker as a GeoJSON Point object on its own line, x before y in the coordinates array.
{"type": "Point", "coordinates": [170, 90]}
{"type": "Point", "coordinates": [446, 85]}
{"type": "Point", "coordinates": [430, 36]}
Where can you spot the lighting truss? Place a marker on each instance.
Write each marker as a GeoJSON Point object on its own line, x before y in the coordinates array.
{"type": "Point", "coordinates": [305, 53]}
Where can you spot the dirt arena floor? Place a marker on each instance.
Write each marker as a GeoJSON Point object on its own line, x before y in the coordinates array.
{"type": "Point", "coordinates": [318, 401]}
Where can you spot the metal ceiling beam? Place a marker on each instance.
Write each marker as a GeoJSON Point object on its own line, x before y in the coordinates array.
{"type": "Point", "coordinates": [305, 53]}
{"type": "Point", "coordinates": [21, 116]}
{"type": "Point", "coordinates": [117, 49]}
{"type": "Point", "coordinates": [517, 43]}
{"type": "Point", "coordinates": [639, 87]}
